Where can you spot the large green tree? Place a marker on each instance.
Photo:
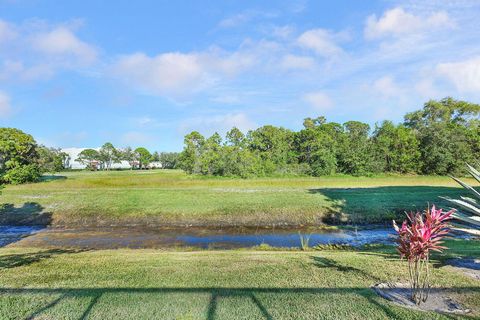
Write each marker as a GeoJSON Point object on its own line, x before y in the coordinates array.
{"type": "Point", "coordinates": [396, 146]}
{"type": "Point", "coordinates": [144, 157]}
{"type": "Point", "coordinates": [109, 155]}
{"type": "Point", "coordinates": [51, 159]}
{"type": "Point", "coordinates": [90, 158]}
{"type": "Point", "coordinates": [18, 157]}
{"type": "Point", "coordinates": [356, 154]}
{"type": "Point", "coordinates": [316, 145]}
{"type": "Point", "coordinates": [192, 151]}
{"type": "Point", "coordinates": [448, 134]}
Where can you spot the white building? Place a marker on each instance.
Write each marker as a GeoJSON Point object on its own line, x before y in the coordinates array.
{"type": "Point", "coordinates": [73, 153]}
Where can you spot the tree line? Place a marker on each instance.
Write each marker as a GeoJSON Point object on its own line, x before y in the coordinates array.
{"type": "Point", "coordinates": [139, 158]}
{"type": "Point", "coordinates": [23, 160]}
{"type": "Point", "coordinates": [438, 140]}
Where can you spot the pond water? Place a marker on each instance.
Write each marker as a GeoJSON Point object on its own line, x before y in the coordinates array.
{"type": "Point", "coordinates": [11, 234]}
{"type": "Point", "coordinates": [112, 238]}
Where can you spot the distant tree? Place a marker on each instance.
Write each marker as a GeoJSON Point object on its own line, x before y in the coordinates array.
{"type": "Point", "coordinates": [109, 155]}
{"type": "Point", "coordinates": [51, 160]}
{"type": "Point", "coordinates": [65, 159]}
{"type": "Point", "coordinates": [446, 129]}
{"type": "Point", "coordinates": [356, 152]}
{"type": "Point", "coordinates": [89, 158]}
{"type": "Point", "coordinates": [189, 159]}
{"type": "Point", "coordinates": [316, 146]}
{"type": "Point", "coordinates": [211, 158]}
{"type": "Point", "coordinates": [274, 146]}
{"type": "Point", "coordinates": [144, 157]}
{"type": "Point", "coordinates": [18, 150]}
{"type": "Point", "coordinates": [235, 138]}
{"type": "Point", "coordinates": [130, 156]}
{"type": "Point", "coordinates": [169, 160]}
{"type": "Point", "coordinates": [156, 156]}
{"type": "Point", "coordinates": [397, 148]}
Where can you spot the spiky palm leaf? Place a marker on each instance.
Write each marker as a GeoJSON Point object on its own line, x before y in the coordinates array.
{"type": "Point", "coordinates": [468, 209]}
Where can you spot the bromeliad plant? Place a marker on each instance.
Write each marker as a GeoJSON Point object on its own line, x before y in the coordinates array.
{"type": "Point", "coordinates": [421, 233]}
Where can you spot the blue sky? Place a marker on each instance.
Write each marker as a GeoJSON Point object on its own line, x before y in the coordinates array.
{"type": "Point", "coordinates": [144, 73]}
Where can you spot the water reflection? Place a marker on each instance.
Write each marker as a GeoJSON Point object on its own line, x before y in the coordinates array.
{"type": "Point", "coordinates": [112, 238]}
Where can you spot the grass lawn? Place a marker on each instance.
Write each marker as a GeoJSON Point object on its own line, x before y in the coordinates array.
{"type": "Point", "coordinates": [172, 197]}
{"type": "Point", "coordinates": [237, 284]}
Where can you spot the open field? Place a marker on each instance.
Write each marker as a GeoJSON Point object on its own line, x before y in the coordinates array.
{"type": "Point", "coordinates": [167, 197]}
{"type": "Point", "coordinates": [138, 284]}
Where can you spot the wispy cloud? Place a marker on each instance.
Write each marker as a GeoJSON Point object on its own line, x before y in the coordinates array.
{"type": "Point", "coordinates": [33, 51]}
{"type": "Point", "coordinates": [465, 75]}
{"type": "Point", "coordinates": [241, 18]}
{"type": "Point", "coordinates": [398, 22]}
{"type": "Point", "coordinates": [209, 124]}
{"type": "Point", "coordinates": [5, 106]}
{"type": "Point", "coordinates": [323, 42]}
{"type": "Point", "coordinates": [318, 100]}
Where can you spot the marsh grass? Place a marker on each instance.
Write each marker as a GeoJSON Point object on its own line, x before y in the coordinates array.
{"type": "Point", "coordinates": [304, 241]}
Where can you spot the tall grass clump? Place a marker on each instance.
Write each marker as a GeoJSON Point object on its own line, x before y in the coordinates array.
{"type": "Point", "coordinates": [304, 241]}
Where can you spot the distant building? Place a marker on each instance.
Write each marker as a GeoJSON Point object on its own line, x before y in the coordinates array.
{"type": "Point", "coordinates": [74, 164]}
{"type": "Point", "coordinates": [155, 165]}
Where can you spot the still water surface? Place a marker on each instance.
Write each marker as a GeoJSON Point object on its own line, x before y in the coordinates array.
{"type": "Point", "coordinates": [112, 238]}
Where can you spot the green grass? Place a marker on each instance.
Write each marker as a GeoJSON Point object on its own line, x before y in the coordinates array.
{"type": "Point", "coordinates": [151, 284]}
{"type": "Point", "coordinates": [172, 197]}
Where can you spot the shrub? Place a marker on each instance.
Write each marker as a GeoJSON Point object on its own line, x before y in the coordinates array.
{"type": "Point", "coordinates": [417, 236]}
{"type": "Point", "coordinates": [22, 174]}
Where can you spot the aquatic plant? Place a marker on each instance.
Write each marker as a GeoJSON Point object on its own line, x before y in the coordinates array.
{"type": "Point", "coordinates": [421, 233]}
{"type": "Point", "coordinates": [304, 241]}
{"type": "Point", "coordinates": [470, 207]}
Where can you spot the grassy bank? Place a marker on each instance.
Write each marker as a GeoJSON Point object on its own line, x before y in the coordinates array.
{"type": "Point", "coordinates": [139, 284]}
{"type": "Point", "coordinates": [172, 197]}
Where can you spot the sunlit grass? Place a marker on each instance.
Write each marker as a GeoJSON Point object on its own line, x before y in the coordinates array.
{"type": "Point", "coordinates": [172, 197]}
{"type": "Point", "coordinates": [138, 284]}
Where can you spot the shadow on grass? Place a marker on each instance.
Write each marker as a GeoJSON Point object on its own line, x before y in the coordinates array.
{"type": "Point", "coordinates": [381, 204]}
{"type": "Point", "coordinates": [29, 214]}
{"type": "Point", "coordinates": [18, 260]}
{"type": "Point", "coordinates": [47, 178]}
{"type": "Point", "coordinates": [322, 262]}
{"type": "Point", "coordinates": [215, 294]}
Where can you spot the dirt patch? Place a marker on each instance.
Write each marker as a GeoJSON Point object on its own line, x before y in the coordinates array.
{"type": "Point", "coordinates": [469, 266]}
{"type": "Point", "coordinates": [439, 300]}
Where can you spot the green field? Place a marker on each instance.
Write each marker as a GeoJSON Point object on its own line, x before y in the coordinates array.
{"type": "Point", "coordinates": [170, 197]}
{"type": "Point", "coordinates": [153, 284]}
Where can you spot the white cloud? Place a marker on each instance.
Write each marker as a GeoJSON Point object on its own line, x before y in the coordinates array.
{"type": "Point", "coordinates": [168, 73]}
{"type": "Point", "coordinates": [386, 87]}
{"type": "Point", "coordinates": [11, 69]}
{"type": "Point", "coordinates": [136, 138]}
{"type": "Point", "coordinates": [5, 106]}
{"type": "Point", "coordinates": [465, 75]}
{"type": "Point", "coordinates": [7, 31]}
{"type": "Point", "coordinates": [244, 17]}
{"type": "Point", "coordinates": [61, 41]}
{"type": "Point", "coordinates": [175, 74]}
{"type": "Point", "coordinates": [235, 20]}
{"type": "Point", "coordinates": [398, 22]}
{"type": "Point", "coordinates": [320, 101]}
{"type": "Point", "coordinates": [291, 61]}
{"type": "Point", "coordinates": [35, 50]}
{"type": "Point", "coordinates": [282, 31]}
{"type": "Point", "coordinates": [321, 41]}
{"type": "Point", "coordinates": [426, 88]}
{"type": "Point", "coordinates": [217, 123]}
